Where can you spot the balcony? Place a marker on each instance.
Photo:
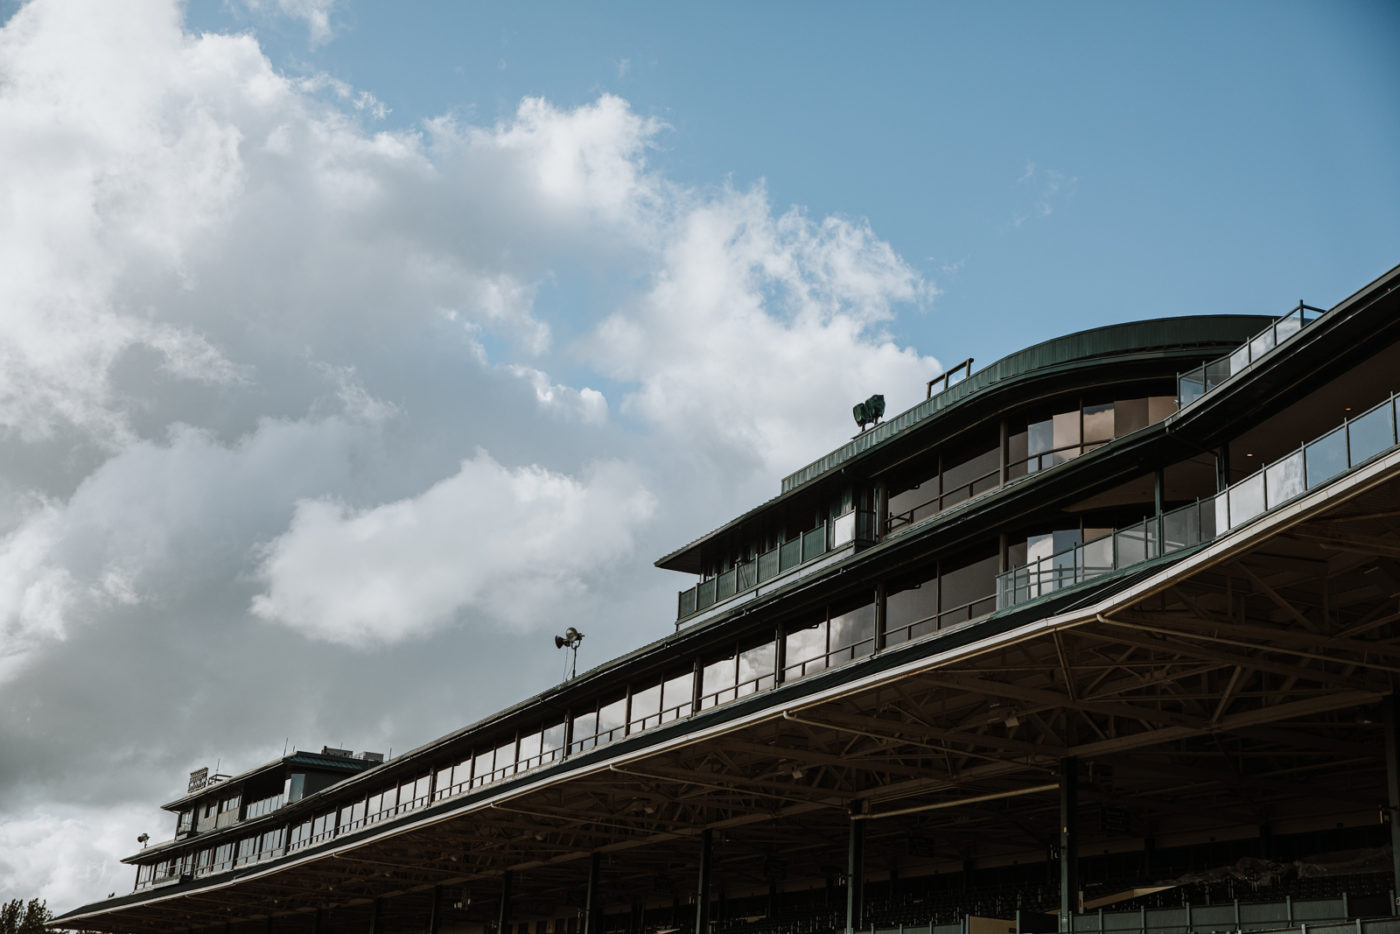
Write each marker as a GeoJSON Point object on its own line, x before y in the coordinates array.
{"type": "Point", "coordinates": [857, 525]}
{"type": "Point", "coordinates": [1314, 464]}
{"type": "Point", "coordinates": [1195, 384]}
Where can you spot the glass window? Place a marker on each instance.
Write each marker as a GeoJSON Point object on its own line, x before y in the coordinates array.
{"type": "Point", "coordinates": [529, 751]}
{"type": "Point", "coordinates": [1040, 438]}
{"type": "Point", "coordinates": [585, 731]}
{"type": "Point", "coordinates": [444, 783]}
{"type": "Point", "coordinates": [676, 697]}
{"type": "Point", "coordinates": [271, 844]}
{"type": "Point", "coordinates": [374, 807]}
{"type": "Point", "coordinates": [1066, 436]}
{"type": "Point", "coordinates": [1098, 423]}
{"type": "Point", "coordinates": [1128, 416]}
{"type": "Point", "coordinates": [968, 590]}
{"type": "Point", "coordinates": [757, 668]}
{"type": "Point", "coordinates": [852, 630]}
{"type": "Point", "coordinates": [482, 767]}
{"type": "Point", "coordinates": [348, 817]}
{"type": "Point", "coordinates": [805, 650]}
{"type": "Point", "coordinates": [552, 741]}
{"type": "Point", "coordinates": [717, 683]}
{"type": "Point", "coordinates": [646, 709]}
{"type": "Point", "coordinates": [976, 474]}
{"type": "Point", "coordinates": [505, 759]}
{"type": "Point", "coordinates": [323, 826]}
{"type": "Point", "coordinates": [911, 607]}
{"type": "Point", "coordinates": [300, 835]}
{"type": "Point", "coordinates": [247, 848]}
{"type": "Point", "coordinates": [612, 720]}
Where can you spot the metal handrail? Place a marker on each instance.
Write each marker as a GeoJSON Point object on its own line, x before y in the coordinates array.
{"type": "Point", "coordinates": [1313, 463]}
{"type": "Point", "coordinates": [1194, 384]}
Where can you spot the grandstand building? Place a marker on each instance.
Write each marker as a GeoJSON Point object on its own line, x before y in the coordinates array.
{"type": "Point", "coordinates": [1101, 637]}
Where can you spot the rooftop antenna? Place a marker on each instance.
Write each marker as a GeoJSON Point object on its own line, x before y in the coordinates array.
{"type": "Point", "coordinates": [569, 640]}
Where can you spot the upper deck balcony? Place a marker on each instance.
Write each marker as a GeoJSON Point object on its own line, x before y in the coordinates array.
{"type": "Point", "coordinates": [1022, 416]}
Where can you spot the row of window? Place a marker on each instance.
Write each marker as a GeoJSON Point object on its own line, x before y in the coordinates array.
{"type": "Point", "coordinates": [939, 595]}
{"type": "Point", "coordinates": [941, 479]}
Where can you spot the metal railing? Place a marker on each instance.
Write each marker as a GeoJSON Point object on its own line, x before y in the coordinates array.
{"type": "Point", "coordinates": [810, 545]}
{"type": "Point", "coordinates": [1191, 385]}
{"type": "Point", "coordinates": [1313, 464]}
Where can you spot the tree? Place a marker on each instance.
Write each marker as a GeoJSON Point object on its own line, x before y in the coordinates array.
{"type": "Point", "coordinates": [17, 917]}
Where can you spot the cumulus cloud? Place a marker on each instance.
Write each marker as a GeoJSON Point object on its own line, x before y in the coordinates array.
{"type": "Point", "coordinates": [760, 330]}
{"type": "Point", "coordinates": [284, 390]}
{"type": "Point", "coordinates": [514, 545]}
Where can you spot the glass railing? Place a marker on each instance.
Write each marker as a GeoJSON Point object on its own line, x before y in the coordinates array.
{"type": "Point", "coordinates": [1313, 464]}
{"type": "Point", "coordinates": [1191, 386]}
{"type": "Point", "coordinates": [810, 545]}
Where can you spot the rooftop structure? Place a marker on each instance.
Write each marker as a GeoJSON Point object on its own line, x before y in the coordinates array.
{"type": "Point", "coordinates": [1114, 611]}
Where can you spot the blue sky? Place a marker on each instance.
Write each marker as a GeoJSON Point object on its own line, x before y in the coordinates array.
{"type": "Point", "coordinates": [351, 350]}
{"type": "Point", "coordinates": [1052, 165]}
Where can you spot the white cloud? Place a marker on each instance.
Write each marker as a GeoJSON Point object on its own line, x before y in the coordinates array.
{"type": "Point", "coordinates": [514, 545]}
{"type": "Point", "coordinates": [760, 332]}
{"type": "Point", "coordinates": [271, 371]}
{"type": "Point", "coordinates": [70, 853]}
{"type": "Point", "coordinates": [316, 14]}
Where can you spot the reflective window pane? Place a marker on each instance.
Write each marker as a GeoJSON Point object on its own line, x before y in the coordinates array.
{"type": "Point", "coordinates": [717, 682]}
{"type": "Point", "coordinates": [853, 631]}
{"type": "Point", "coordinates": [1371, 433]}
{"type": "Point", "coordinates": [911, 607]}
{"type": "Point", "coordinates": [1098, 423]}
{"type": "Point", "coordinates": [757, 668]}
{"type": "Point", "coordinates": [805, 650]}
{"type": "Point", "coordinates": [1246, 499]}
{"type": "Point", "coordinates": [1283, 480]}
{"type": "Point", "coordinates": [1067, 436]}
{"type": "Point", "coordinates": [646, 708]}
{"type": "Point", "coordinates": [1326, 457]}
{"type": "Point", "coordinates": [676, 697]}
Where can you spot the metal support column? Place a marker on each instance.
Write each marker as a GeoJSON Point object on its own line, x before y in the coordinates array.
{"type": "Point", "coordinates": [375, 915]}
{"type": "Point", "coordinates": [855, 877]}
{"type": "Point", "coordinates": [702, 888]}
{"type": "Point", "coordinates": [1069, 842]}
{"type": "Point", "coordinates": [1391, 709]}
{"type": "Point", "coordinates": [592, 908]}
{"type": "Point", "coordinates": [503, 916]}
{"type": "Point", "coordinates": [434, 917]}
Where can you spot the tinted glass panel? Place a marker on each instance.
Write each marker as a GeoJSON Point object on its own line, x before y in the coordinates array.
{"type": "Point", "coordinates": [1326, 457]}
{"type": "Point", "coordinates": [756, 668]}
{"type": "Point", "coordinates": [676, 697]}
{"type": "Point", "coordinates": [805, 650]}
{"type": "Point", "coordinates": [1098, 423]}
{"type": "Point", "coordinates": [1128, 416]}
{"type": "Point", "coordinates": [1371, 433]}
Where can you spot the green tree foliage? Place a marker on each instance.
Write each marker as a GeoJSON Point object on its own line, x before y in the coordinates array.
{"type": "Point", "coordinates": [17, 917]}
